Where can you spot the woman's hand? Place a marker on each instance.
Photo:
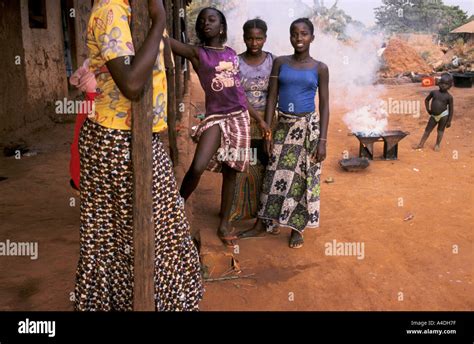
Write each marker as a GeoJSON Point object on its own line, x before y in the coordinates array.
{"type": "Point", "coordinates": [264, 128]}
{"type": "Point", "coordinates": [267, 136]}
{"type": "Point", "coordinates": [268, 146]}
{"type": "Point", "coordinates": [320, 153]}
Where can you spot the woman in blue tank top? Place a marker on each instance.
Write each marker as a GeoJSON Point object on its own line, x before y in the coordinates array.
{"type": "Point", "coordinates": [291, 186]}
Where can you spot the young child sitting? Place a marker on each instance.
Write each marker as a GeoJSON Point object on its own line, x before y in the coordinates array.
{"type": "Point", "coordinates": [441, 111]}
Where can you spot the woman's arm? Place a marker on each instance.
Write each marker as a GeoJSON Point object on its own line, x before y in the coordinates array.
{"type": "Point", "coordinates": [253, 113]}
{"type": "Point", "coordinates": [187, 51]}
{"type": "Point", "coordinates": [272, 99]}
{"type": "Point", "coordinates": [272, 95]}
{"type": "Point", "coordinates": [169, 62]}
{"type": "Point", "coordinates": [323, 74]}
{"type": "Point", "coordinates": [131, 73]}
{"type": "Point", "coordinates": [264, 128]}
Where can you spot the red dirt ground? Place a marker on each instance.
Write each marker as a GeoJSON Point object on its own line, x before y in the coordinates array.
{"type": "Point", "coordinates": [401, 57]}
{"type": "Point", "coordinates": [412, 257]}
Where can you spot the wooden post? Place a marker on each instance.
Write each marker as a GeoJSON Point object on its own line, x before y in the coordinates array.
{"type": "Point", "coordinates": [178, 59]}
{"type": "Point", "coordinates": [187, 74]}
{"type": "Point", "coordinates": [170, 76]}
{"type": "Point", "coordinates": [143, 229]}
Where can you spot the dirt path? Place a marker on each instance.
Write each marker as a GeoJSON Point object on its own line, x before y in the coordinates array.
{"type": "Point", "coordinates": [412, 257]}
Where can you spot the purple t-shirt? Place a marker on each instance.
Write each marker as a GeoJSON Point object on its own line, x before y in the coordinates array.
{"type": "Point", "coordinates": [220, 78]}
{"type": "Point", "coordinates": [255, 80]}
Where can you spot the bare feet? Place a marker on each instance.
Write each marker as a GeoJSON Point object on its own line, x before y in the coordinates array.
{"type": "Point", "coordinates": [418, 146]}
{"type": "Point", "coordinates": [253, 232]}
{"type": "Point", "coordinates": [296, 239]}
{"type": "Point", "coordinates": [228, 239]}
{"type": "Point", "coordinates": [227, 236]}
{"type": "Point", "coordinates": [436, 148]}
{"type": "Point", "coordinates": [258, 230]}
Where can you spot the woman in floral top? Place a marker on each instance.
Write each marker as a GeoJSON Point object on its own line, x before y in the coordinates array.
{"type": "Point", "coordinates": [104, 278]}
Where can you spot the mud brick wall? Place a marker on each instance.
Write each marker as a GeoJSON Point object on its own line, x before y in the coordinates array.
{"type": "Point", "coordinates": [31, 88]}
{"type": "Point", "coordinates": [12, 77]}
{"type": "Point", "coordinates": [45, 65]}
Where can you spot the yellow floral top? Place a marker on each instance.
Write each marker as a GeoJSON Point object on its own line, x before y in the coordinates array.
{"type": "Point", "coordinates": [109, 37]}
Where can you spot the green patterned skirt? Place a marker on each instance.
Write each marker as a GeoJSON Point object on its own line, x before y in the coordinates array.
{"type": "Point", "coordinates": [291, 185]}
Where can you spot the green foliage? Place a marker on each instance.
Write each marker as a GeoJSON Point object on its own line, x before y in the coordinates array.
{"type": "Point", "coordinates": [196, 6]}
{"type": "Point", "coordinates": [427, 16]}
{"type": "Point", "coordinates": [333, 20]}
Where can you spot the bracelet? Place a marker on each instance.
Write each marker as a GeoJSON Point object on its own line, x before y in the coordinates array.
{"type": "Point", "coordinates": [323, 139]}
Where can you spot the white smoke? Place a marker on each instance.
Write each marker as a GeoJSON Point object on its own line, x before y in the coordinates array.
{"type": "Point", "coordinates": [369, 120]}
{"type": "Point", "coordinates": [277, 14]}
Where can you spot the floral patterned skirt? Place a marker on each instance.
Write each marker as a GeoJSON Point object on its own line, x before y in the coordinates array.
{"type": "Point", "coordinates": [291, 186]}
{"type": "Point", "coordinates": [104, 277]}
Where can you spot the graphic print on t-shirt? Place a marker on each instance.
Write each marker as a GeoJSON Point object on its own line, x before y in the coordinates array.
{"type": "Point", "coordinates": [225, 76]}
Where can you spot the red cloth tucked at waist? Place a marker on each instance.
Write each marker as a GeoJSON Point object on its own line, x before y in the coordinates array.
{"type": "Point", "coordinates": [74, 163]}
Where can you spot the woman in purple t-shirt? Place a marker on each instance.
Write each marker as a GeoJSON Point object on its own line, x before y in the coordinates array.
{"type": "Point", "coordinates": [224, 135]}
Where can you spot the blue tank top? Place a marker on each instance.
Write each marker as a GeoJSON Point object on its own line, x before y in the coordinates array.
{"type": "Point", "coordinates": [297, 89]}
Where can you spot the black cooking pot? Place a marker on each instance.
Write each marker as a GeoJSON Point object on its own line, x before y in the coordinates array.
{"type": "Point", "coordinates": [463, 80]}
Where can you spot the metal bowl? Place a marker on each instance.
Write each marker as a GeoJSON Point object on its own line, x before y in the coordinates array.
{"type": "Point", "coordinates": [354, 164]}
{"type": "Point", "coordinates": [463, 80]}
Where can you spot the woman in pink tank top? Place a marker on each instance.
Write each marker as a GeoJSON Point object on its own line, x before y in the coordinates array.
{"type": "Point", "coordinates": [223, 137]}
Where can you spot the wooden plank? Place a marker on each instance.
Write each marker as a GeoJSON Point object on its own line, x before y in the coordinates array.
{"type": "Point", "coordinates": [187, 74]}
{"type": "Point", "coordinates": [171, 75]}
{"type": "Point", "coordinates": [143, 229]}
{"type": "Point", "coordinates": [178, 59]}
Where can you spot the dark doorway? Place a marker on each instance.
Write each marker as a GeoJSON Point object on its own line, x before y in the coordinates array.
{"type": "Point", "coordinates": [68, 13]}
{"type": "Point", "coordinates": [37, 14]}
